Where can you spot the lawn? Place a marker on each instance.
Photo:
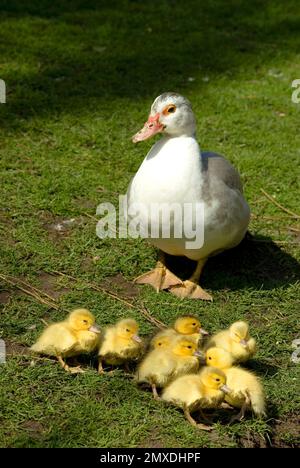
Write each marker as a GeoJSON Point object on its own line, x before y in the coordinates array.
{"type": "Point", "coordinates": [80, 78]}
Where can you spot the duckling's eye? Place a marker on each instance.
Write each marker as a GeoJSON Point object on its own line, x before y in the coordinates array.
{"type": "Point", "coordinates": [193, 324]}
{"type": "Point", "coordinates": [127, 329]}
{"type": "Point", "coordinates": [85, 321]}
{"type": "Point", "coordinates": [189, 347]}
{"type": "Point", "coordinates": [217, 380]}
{"type": "Point", "coordinates": [209, 358]}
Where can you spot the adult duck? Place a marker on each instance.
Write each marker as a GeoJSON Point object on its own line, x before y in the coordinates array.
{"type": "Point", "coordinates": [176, 172]}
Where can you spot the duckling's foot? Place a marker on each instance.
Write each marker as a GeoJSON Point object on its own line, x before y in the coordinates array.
{"type": "Point", "coordinates": [203, 427]}
{"type": "Point", "coordinates": [159, 278]}
{"type": "Point", "coordinates": [238, 417]}
{"type": "Point", "coordinates": [75, 370]}
{"type": "Point", "coordinates": [154, 391]}
{"type": "Point", "coordinates": [101, 371]}
{"type": "Point", "coordinates": [190, 290]}
{"type": "Point", "coordinates": [225, 405]}
{"type": "Point", "coordinates": [72, 370]}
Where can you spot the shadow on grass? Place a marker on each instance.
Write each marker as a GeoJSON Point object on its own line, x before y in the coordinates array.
{"type": "Point", "coordinates": [72, 56]}
{"type": "Point", "coordinates": [262, 368]}
{"type": "Point", "coordinates": [257, 263]}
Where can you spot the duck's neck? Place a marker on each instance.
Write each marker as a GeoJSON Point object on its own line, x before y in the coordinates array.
{"type": "Point", "coordinates": [183, 149]}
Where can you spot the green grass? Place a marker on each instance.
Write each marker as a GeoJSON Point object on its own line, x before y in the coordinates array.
{"type": "Point", "coordinates": [81, 76]}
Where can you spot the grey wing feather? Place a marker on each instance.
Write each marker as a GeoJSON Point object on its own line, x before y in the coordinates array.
{"type": "Point", "coordinates": [218, 167]}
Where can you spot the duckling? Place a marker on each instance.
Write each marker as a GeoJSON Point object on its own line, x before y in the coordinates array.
{"type": "Point", "coordinates": [187, 325]}
{"type": "Point", "coordinates": [236, 340]}
{"type": "Point", "coordinates": [246, 389]}
{"type": "Point", "coordinates": [76, 335]}
{"type": "Point", "coordinates": [197, 391]}
{"type": "Point", "coordinates": [161, 341]}
{"type": "Point", "coordinates": [120, 344]}
{"type": "Point", "coordinates": [162, 364]}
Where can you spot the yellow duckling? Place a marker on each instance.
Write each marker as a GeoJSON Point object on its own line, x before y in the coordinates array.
{"type": "Point", "coordinates": [197, 391]}
{"type": "Point", "coordinates": [236, 340]}
{"type": "Point", "coordinates": [161, 341]}
{"type": "Point", "coordinates": [246, 389]}
{"type": "Point", "coordinates": [120, 344]}
{"type": "Point", "coordinates": [76, 335]}
{"type": "Point", "coordinates": [187, 325]}
{"type": "Point", "coordinates": [162, 364]}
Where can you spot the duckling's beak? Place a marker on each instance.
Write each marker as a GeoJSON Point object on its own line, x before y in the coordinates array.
{"type": "Point", "coordinates": [137, 338]}
{"type": "Point", "coordinates": [225, 389]}
{"type": "Point", "coordinates": [203, 332]}
{"type": "Point", "coordinates": [244, 343]}
{"type": "Point", "coordinates": [94, 329]}
{"type": "Point", "coordinates": [151, 127]}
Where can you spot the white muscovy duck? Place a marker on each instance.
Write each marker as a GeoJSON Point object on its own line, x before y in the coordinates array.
{"type": "Point", "coordinates": [175, 171]}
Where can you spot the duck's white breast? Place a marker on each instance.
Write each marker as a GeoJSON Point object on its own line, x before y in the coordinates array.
{"type": "Point", "coordinates": [172, 173]}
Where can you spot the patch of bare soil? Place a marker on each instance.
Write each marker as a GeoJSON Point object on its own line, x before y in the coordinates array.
{"type": "Point", "coordinates": [151, 441]}
{"type": "Point", "coordinates": [120, 285]}
{"type": "Point", "coordinates": [4, 297]}
{"type": "Point", "coordinates": [253, 440]}
{"type": "Point", "coordinates": [286, 433]}
{"type": "Point", "coordinates": [35, 428]}
{"type": "Point", "coordinates": [15, 349]}
{"type": "Point", "coordinates": [57, 226]}
{"type": "Point", "coordinates": [49, 284]}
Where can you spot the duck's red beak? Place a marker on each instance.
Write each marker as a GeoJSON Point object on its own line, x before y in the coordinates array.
{"type": "Point", "coordinates": [151, 127]}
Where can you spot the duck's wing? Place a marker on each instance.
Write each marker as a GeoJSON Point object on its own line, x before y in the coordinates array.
{"type": "Point", "coordinates": [56, 339]}
{"type": "Point", "coordinates": [216, 167]}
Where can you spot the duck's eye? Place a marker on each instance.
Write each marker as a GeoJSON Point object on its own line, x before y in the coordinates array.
{"type": "Point", "coordinates": [169, 109]}
{"type": "Point", "coordinates": [189, 347]}
{"type": "Point", "coordinates": [209, 358]}
{"type": "Point", "coordinates": [127, 329]}
{"type": "Point", "coordinates": [193, 324]}
{"type": "Point", "coordinates": [217, 380]}
{"type": "Point", "coordinates": [85, 321]}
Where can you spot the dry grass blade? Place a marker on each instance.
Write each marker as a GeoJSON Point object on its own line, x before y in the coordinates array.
{"type": "Point", "coordinates": [30, 290]}
{"type": "Point", "coordinates": [38, 291]}
{"type": "Point", "coordinates": [290, 228]}
{"type": "Point", "coordinates": [270, 218]}
{"type": "Point", "coordinates": [272, 199]}
{"type": "Point", "coordinates": [115, 296]}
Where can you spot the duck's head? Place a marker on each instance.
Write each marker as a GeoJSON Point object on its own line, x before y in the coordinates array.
{"type": "Point", "coordinates": [83, 320]}
{"type": "Point", "coordinates": [214, 379]}
{"type": "Point", "coordinates": [128, 329]}
{"type": "Point", "coordinates": [160, 342]}
{"type": "Point", "coordinates": [188, 325]}
{"type": "Point", "coordinates": [170, 114]}
{"type": "Point", "coordinates": [185, 347]}
{"type": "Point", "coordinates": [218, 357]}
{"type": "Point", "coordinates": [239, 332]}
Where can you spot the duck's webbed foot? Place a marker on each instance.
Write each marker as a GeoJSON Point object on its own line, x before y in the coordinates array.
{"type": "Point", "coordinates": [190, 288]}
{"type": "Point", "coordinates": [192, 421]}
{"type": "Point", "coordinates": [160, 277]}
{"type": "Point", "coordinates": [72, 370]}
